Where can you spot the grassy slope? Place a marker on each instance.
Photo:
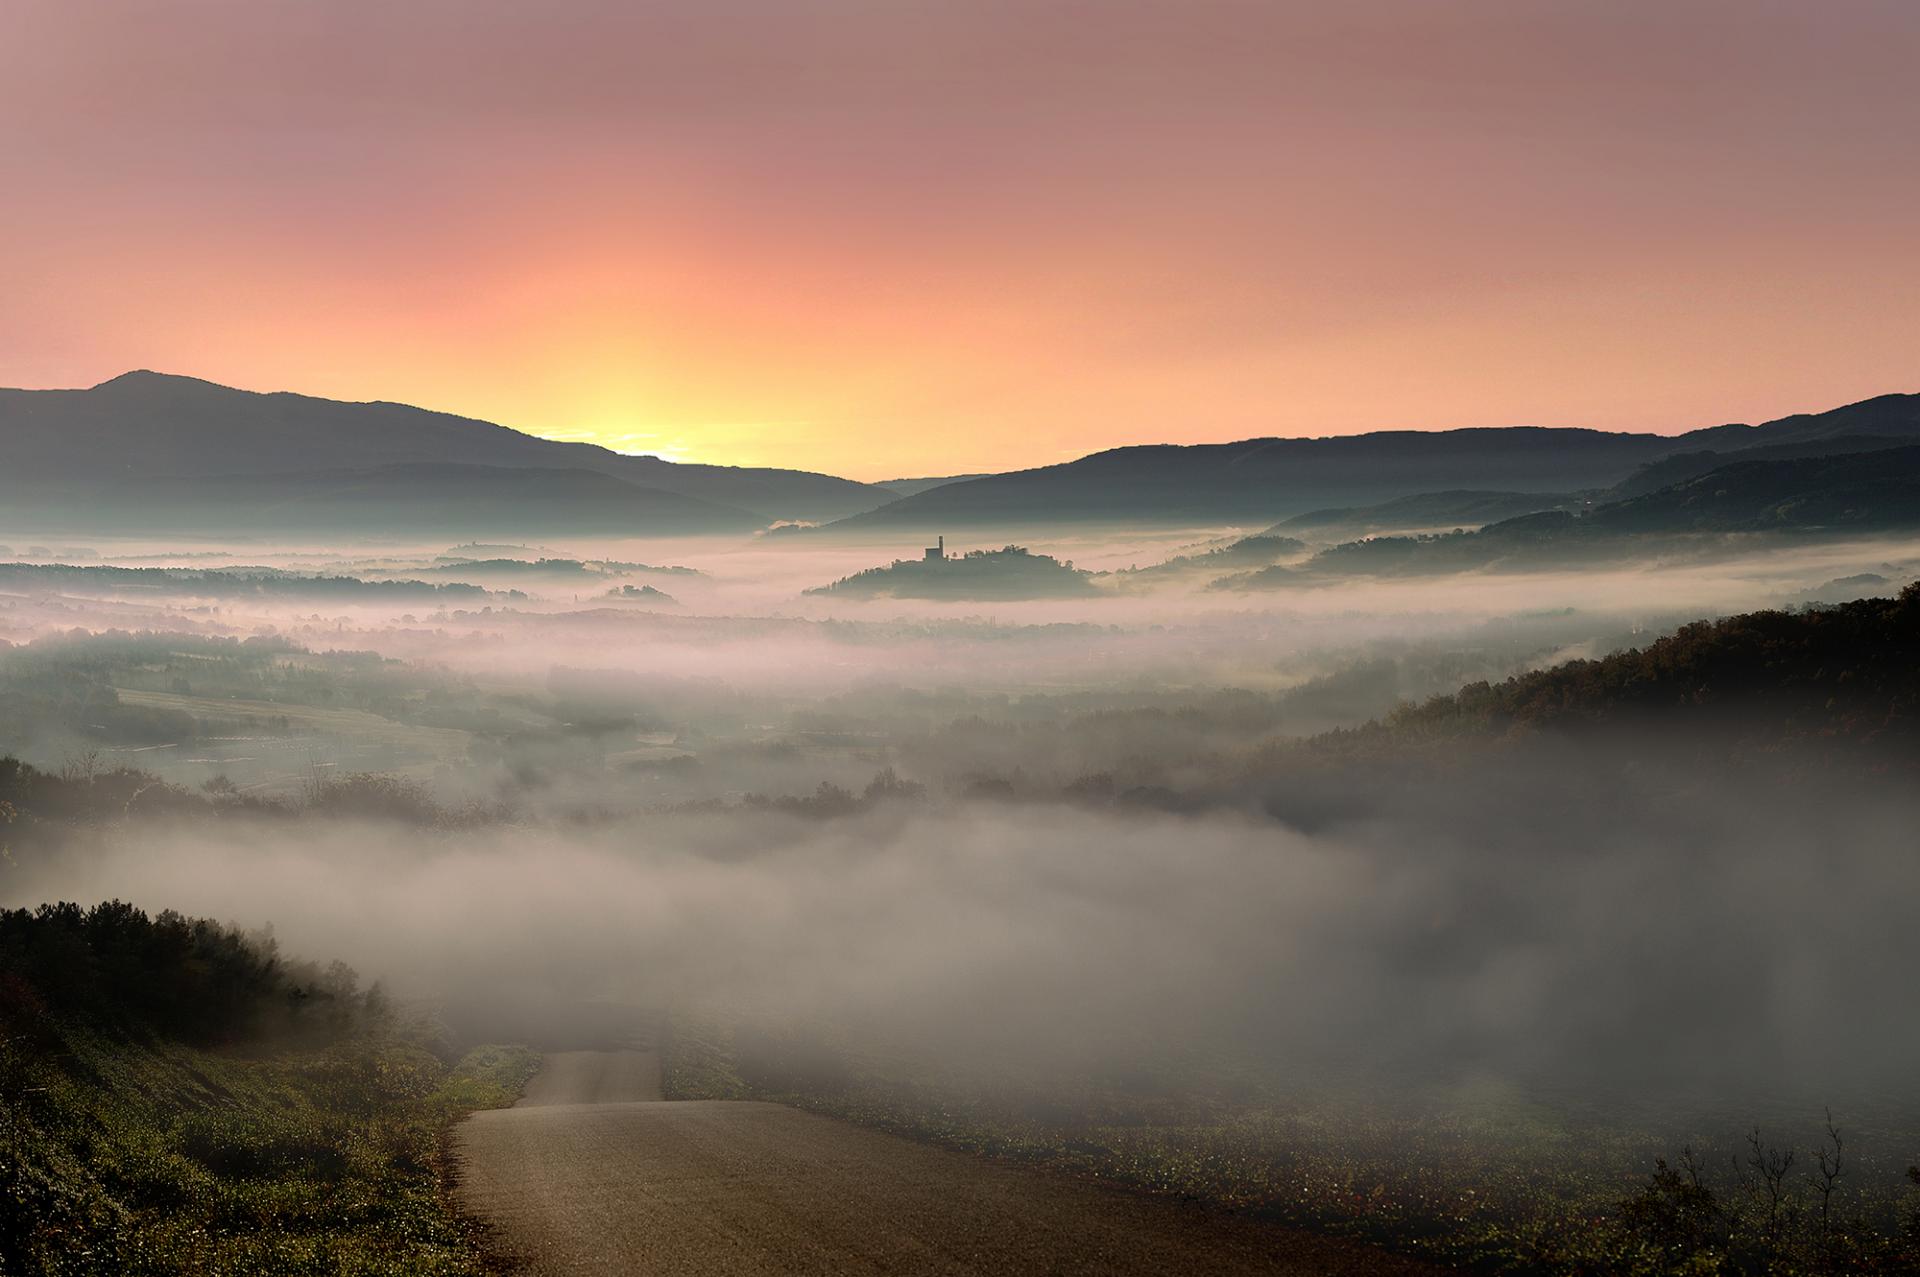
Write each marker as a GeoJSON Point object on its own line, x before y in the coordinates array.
{"type": "Point", "coordinates": [433, 742]}
{"type": "Point", "coordinates": [139, 1155]}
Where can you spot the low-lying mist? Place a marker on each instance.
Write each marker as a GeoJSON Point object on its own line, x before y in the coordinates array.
{"type": "Point", "coordinates": [679, 816]}
{"type": "Point", "coordinates": [1723, 947]}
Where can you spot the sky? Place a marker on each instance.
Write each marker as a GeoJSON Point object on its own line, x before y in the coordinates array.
{"type": "Point", "coordinates": [888, 238]}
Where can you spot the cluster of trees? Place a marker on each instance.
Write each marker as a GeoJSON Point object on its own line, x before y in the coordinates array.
{"type": "Point", "coordinates": [62, 686]}
{"type": "Point", "coordinates": [232, 583]}
{"type": "Point", "coordinates": [1782, 1213]}
{"type": "Point", "coordinates": [62, 696]}
{"type": "Point", "coordinates": [1832, 691]}
{"type": "Point", "coordinates": [1849, 673]}
{"type": "Point", "coordinates": [37, 805]}
{"type": "Point", "coordinates": [114, 967]}
{"type": "Point", "coordinates": [84, 790]}
{"type": "Point", "coordinates": [644, 592]}
{"type": "Point", "coordinates": [135, 1138]}
{"type": "Point", "coordinates": [830, 800]}
{"type": "Point", "coordinates": [1012, 572]}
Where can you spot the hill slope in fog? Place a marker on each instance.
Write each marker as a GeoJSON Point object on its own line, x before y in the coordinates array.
{"type": "Point", "coordinates": [1843, 674]}
{"type": "Point", "coordinates": [1854, 494]}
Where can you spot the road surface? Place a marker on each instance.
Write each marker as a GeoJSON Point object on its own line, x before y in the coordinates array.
{"type": "Point", "coordinates": [593, 1174]}
{"type": "Point", "coordinates": [593, 1077]}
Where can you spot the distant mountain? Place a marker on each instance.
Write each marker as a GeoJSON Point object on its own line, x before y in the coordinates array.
{"type": "Point", "coordinates": [1852, 491]}
{"type": "Point", "coordinates": [1264, 480]}
{"type": "Point", "coordinates": [1891, 416]}
{"type": "Point", "coordinates": [414, 499]}
{"type": "Point", "coordinates": [145, 433]}
{"type": "Point", "coordinates": [179, 454]}
{"type": "Point", "coordinates": [1849, 494]}
{"type": "Point", "coordinates": [1682, 466]}
{"type": "Point", "coordinates": [912, 487]}
{"type": "Point", "coordinates": [1260, 480]}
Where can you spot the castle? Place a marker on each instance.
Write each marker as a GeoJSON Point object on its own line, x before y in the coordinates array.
{"type": "Point", "coordinates": [937, 553]}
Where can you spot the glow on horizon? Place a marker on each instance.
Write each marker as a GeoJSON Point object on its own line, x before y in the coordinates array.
{"type": "Point", "coordinates": [899, 239]}
{"type": "Point", "coordinates": [628, 443]}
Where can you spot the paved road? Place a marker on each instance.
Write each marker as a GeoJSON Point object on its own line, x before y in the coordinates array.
{"type": "Point", "coordinates": [594, 1077]}
{"type": "Point", "coordinates": [577, 1181]}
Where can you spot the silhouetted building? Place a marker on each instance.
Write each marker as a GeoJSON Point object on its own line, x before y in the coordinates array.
{"type": "Point", "coordinates": [935, 553]}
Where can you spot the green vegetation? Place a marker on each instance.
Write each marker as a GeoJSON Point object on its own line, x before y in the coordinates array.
{"type": "Point", "coordinates": [177, 1097]}
{"type": "Point", "coordinates": [1013, 572]}
{"type": "Point", "coordinates": [1848, 674]}
{"type": "Point", "coordinates": [429, 742]}
{"type": "Point", "coordinates": [228, 583]}
{"type": "Point", "coordinates": [261, 712]}
{"type": "Point", "coordinates": [43, 804]}
{"type": "Point", "coordinates": [642, 594]}
{"type": "Point", "coordinates": [696, 1058]}
{"type": "Point", "coordinates": [117, 687]}
{"type": "Point", "coordinates": [1829, 689]}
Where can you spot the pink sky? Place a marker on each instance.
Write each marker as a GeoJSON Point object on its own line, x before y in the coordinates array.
{"type": "Point", "coordinates": [883, 238]}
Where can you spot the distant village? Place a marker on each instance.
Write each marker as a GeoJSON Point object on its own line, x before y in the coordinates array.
{"type": "Point", "coordinates": [1007, 573]}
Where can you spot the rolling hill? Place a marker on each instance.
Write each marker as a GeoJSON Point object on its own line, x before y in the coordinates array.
{"type": "Point", "coordinates": [147, 437]}
{"type": "Point", "coordinates": [1261, 480]}
{"type": "Point", "coordinates": [1852, 494]}
{"type": "Point", "coordinates": [1682, 466]}
{"type": "Point", "coordinates": [1264, 480]}
{"type": "Point", "coordinates": [151, 452]}
{"type": "Point", "coordinates": [1849, 673]}
{"type": "Point", "coordinates": [1852, 491]}
{"type": "Point", "coordinates": [1010, 573]}
{"type": "Point", "coordinates": [1423, 510]}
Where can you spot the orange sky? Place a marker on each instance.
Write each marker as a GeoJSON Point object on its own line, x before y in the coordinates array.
{"type": "Point", "coordinates": [885, 237]}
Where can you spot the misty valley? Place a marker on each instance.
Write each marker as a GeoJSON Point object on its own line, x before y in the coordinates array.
{"type": "Point", "coordinates": [1511, 880]}
{"type": "Point", "coordinates": [897, 638]}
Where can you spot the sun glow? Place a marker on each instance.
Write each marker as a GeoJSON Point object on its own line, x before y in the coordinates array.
{"type": "Point", "coordinates": [889, 255]}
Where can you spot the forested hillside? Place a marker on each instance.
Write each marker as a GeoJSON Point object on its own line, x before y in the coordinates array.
{"type": "Point", "coordinates": [1848, 673]}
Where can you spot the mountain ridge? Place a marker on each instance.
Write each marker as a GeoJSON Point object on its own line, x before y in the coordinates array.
{"type": "Point", "coordinates": [1268, 479]}
{"type": "Point", "coordinates": [164, 426]}
{"type": "Point", "coordinates": [146, 437]}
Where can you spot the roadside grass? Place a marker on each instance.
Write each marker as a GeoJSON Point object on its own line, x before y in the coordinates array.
{"type": "Point", "coordinates": [696, 1059]}
{"type": "Point", "coordinates": [137, 1155]}
{"type": "Point", "coordinates": [1486, 1182]}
